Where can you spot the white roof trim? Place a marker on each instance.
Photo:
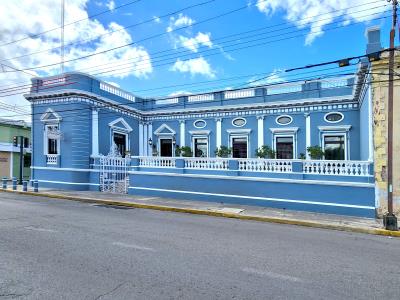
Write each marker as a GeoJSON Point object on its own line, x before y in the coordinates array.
{"type": "Point", "coordinates": [162, 127]}
{"type": "Point", "coordinates": [126, 125]}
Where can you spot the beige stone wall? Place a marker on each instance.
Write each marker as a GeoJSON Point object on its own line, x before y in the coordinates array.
{"type": "Point", "coordinates": [5, 164]}
{"type": "Point", "coordinates": [380, 118]}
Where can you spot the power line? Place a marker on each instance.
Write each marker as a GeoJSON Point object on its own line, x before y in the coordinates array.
{"type": "Point", "coordinates": [189, 7]}
{"type": "Point", "coordinates": [74, 22]}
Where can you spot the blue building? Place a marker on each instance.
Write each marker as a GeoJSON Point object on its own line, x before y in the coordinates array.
{"type": "Point", "coordinates": [90, 135]}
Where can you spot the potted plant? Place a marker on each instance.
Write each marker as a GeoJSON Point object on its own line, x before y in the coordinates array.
{"type": "Point", "coordinates": [265, 152]}
{"type": "Point", "coordinates": [223, 151]}
{"type": "Point", "coordinates": [185, 151]}
{"type": "Point", "coordinates": [302, 156]}
{"type": "Point", "coordinates": [315, 152]}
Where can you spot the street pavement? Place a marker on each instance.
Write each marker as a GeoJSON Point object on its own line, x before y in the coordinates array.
{"type": "Point", "coordinates": [59, 249]}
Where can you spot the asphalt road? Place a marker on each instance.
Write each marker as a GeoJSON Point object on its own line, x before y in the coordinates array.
{"type": "Point", "coordinates": [55, 249]}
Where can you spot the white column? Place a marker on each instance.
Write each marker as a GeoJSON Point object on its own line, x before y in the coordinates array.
{"type": "Point", "coordinates": [95, 132]}
{"type": "Point", "coordinates": [182, 133]}
{"type": "Point", "coordinates": [260, 130]}
{"type": "Point", "coordinates": [308, 134]}
{"type": "Point", "coordinates": [218, 123]}
{"type": "Point", "coordinates": [150, 135]}
{"type": "Point", "coordinates": [145, 140]}
{"type": "Point", "coordinates": [140, 139]}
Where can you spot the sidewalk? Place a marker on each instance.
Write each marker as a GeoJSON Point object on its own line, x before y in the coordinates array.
{"type": "Point", "coordinates": [317, 220]}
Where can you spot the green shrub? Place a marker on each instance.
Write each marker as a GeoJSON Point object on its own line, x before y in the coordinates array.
{"type": "Point", "coordinates": [185, 151]}
{"type": "Point", "coordinates": [223, 151]}
{"type": "Point", "coordinates": [315, 152]}
{"type": "Point", "coordinates": [265, 152]}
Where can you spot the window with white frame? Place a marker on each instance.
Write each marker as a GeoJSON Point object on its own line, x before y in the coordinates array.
{"type": "Point", "coordinates": [239, 146]}
{"type": "Point", "coordinates": [284, 146]}
{"type": "Point", "coordinates": [200, 146]}
{"type": "Point", "coordinates": [121, 140]}
{"type": "Point", "coordinates": [52, 139]}
{"type": "Point", "coordinates": [334, 146]}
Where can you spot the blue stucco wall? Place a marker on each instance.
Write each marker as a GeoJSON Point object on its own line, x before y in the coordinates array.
{"type": "Point", "coordinates": [356, 200]}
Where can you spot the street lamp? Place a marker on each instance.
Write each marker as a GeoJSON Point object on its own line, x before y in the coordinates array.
{"type": "Point", "coordinates": [150, 142]}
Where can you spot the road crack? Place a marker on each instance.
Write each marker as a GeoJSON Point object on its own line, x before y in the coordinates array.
{"type": "Point", "coordinates": [110, 292]}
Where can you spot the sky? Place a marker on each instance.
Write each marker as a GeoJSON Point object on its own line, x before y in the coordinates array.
{"type": "Point", "coordinates": [158, 48]}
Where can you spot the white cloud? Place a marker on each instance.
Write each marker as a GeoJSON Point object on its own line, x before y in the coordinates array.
{"type": "Point", "coordinates": [194, 66]}
{"type": "Point", "coordinates": [273, 77]}
{"type": "Point", "coordinates": [194, 43]}
{"type": "Point", "coordinates": [157, 19]}
{"type": "Point", "coordinates": [316, 14]}
{"type": "Point", "coordinates": [21, 21]}
{"type": "Point", "coordinates": [180, 21]}
{"type": "Point", "coordinates": [110, 5]}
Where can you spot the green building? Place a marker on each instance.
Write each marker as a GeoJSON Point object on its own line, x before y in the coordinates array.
{"type": "Point", "coordinates": [10, 154]}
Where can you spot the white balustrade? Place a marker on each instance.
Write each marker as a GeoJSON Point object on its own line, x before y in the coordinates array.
{"type": "Point", "coordinates": [157, 162]}
{"type": "Point", "coordinates": [202, 97]}
{"type": "Point", "coordinates": [284, 89]}
{"type": "Point", "coordinates": [239, 94]}
{"type": "Point", "coordinates": [167, 101]}
{"type": "Point", "coordinates": [328, 84]}
{"type": "Point", "coordinates": [116, 91]}
{"type": "Point", "coordinates": [265, 165]}
{"type": "Point", "coordinates": [207, 163]}
{"type": "Point", "coordinates": [51, 159]}
{"type": "Point", "coordinates": [336, 167]}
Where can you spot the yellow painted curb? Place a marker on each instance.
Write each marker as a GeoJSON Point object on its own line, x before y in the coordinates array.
{"type": "Point", "coordinates": [347, 228]}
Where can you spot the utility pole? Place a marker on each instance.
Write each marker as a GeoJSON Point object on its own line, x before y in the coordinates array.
{"type": "Point", "coordinates": [62, 34]}
{"type": "Point", "coordinates": [21, 159]}
{"type": "Point", "coordinates": [390, 220]}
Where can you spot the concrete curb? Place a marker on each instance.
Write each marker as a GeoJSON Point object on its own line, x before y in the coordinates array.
{"type": "Point", "coordinates": [347, 228]}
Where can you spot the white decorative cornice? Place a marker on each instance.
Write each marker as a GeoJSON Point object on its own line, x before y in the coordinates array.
{"type": "Point", "coordinates": [238, 131]}
{"type": "Point", "coordinates": [335, 128]}
{"type": "Point", "coordinates": [162, 127]}
{"type": "Point", "coordinates": [50, 116]}
{"type": "Point", "coordinates": [284, 129]}
{"type": "Point", "coordinates": [123, 122]}
{"type": "Point", "coordinates": [199, 132]}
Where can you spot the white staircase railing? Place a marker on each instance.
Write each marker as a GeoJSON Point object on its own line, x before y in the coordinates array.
{"type": "Point", "coordinates": [157, 162]}
{"type": "Point", "coordinates": [336, 167]}
{"type": "Point", "coordinates": [208, 163]}
{"type": "Point", "coordinates": [265, 165]}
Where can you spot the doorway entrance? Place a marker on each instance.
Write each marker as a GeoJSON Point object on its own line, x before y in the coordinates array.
{"type": "Point", "coordinates": [166, 147]}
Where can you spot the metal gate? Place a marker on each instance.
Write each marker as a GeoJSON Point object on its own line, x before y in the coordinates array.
{"type": "Point", "coordinates": [114, 172]}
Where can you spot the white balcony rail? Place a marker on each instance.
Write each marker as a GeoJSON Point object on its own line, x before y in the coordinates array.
{"type": "Point", "coordinates": [284, 89]}
{"type": "Point", "coordinates": [157, 162]}
{"type": "Point", "coordinates": [52, 159]}
{"type": "Point", "coordinates": [116, 91]}
{"type": "Point", "coordinates": [167, 101]}
{"type": "Point", "coordinates": [328, 84]}
{"type": "Point", "coordinates": [265, 165]}
{"type": "Point", "coordinates": [207, 163]}
{"type": "Point", "coordinates": [239, 94]}
{"type": "Point", "coordinates": [336, 167]}
{"type": "Point", "coordinates": [202, 97]}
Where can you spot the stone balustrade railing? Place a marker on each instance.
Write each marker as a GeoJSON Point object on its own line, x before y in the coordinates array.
{"type": "Point", "coordinates": [52, 159]}
{"type": "Point", "coordinates": [257, 165]}
{"type": "Point", "coordinates": [337, 167]}
{"type": "Point", "coordinates": [207, 163]}
{"type": "Point", "coordinates": [156, 162]}
{"type": "Point", "coordinates": [266, 165]}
